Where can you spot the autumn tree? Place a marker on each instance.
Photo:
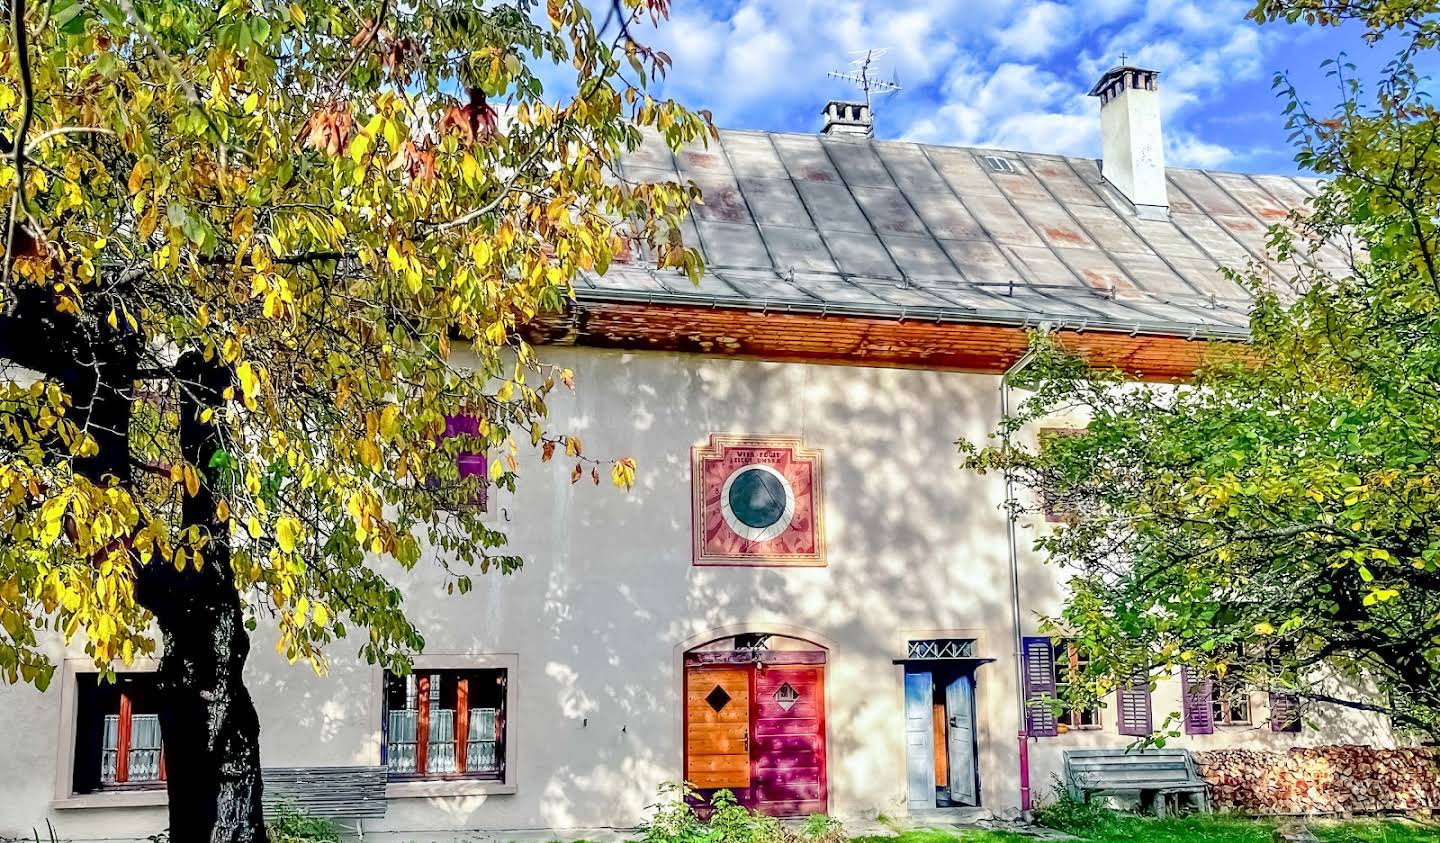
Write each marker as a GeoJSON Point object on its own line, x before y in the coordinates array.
{"type": "Point", "coordinates": [1277, 521]}
{"type": "Point", "coordinates": [258, 253]}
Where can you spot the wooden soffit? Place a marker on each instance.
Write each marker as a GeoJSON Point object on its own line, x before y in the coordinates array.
{"type": "Point", "coordinates": [851, 340]}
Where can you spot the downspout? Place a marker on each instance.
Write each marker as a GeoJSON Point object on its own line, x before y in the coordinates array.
{"type": "Point", "coordinates": [1010, 517]}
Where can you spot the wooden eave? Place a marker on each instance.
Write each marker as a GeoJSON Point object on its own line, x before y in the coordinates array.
{"type": "Point", "coordinates": [853, 340]}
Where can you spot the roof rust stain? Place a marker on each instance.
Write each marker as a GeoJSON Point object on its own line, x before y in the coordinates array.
{"type": "Point", "coordinates": [1065, 235]}
{"type": "Point", "coordinates": [816, 174]}
{"type": "Point", "coordinates": [724, 203]}
{"type": "Point", "coordinates": [702, 160]}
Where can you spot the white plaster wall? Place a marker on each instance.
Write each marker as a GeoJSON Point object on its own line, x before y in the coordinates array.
{"type": "Point", "coordinates": [608, 601]}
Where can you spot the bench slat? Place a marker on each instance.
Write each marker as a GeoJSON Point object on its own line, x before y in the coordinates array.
{"type": "Point", "coordinates": [327, 792]}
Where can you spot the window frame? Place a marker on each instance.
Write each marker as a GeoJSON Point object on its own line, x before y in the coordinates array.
{"type": "Point", "coordinates": [71, 672]}
{"type": "Point", "coordinates": [400, 786]}
{"type": "Point", "coordinates": [1224, 693]}
{"type": "Point", "coordinates": [1072, 719]}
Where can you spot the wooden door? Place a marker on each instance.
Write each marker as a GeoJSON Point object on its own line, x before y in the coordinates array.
{"type": "Point", "coordinates": [717, 727]}
{"type": "Point", "coordinates": [788, 749]}
{"type": "Point", "coordinates": [919, 741]}
{"type": "Point", "coordinates": [960, 709]}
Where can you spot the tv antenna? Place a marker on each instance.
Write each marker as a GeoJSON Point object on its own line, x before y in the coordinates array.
{"type": "Point", "coordinates": [862, 79]}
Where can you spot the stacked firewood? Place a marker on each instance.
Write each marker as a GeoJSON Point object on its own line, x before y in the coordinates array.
{"type": "Point", "coordinates": [1322, 780]}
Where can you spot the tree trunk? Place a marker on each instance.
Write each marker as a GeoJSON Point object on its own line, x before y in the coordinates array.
{"type": "Point", "coordinates": [209, 725]}
{"type": "Point", "coordinates": [207, 719]}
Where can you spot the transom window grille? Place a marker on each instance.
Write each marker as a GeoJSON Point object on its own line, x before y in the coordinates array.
{"type": "Point", "coordinates": [446, 724]}
{"type": "Point", "coordinates": [786, 697]}
{"type": "Point", "coordinates": [942, 648]}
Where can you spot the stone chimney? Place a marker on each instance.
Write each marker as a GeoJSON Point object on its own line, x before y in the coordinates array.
{"type": "Point", "coordinates": [1134, 150]}
{"type": "Point", "coordinates": [848, 118]}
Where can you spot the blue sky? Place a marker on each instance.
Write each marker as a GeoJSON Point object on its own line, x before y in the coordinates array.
{"type": "Point", "coordinates": [1008, 73]}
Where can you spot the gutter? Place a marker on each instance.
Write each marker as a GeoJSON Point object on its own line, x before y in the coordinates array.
{"type": "Point", "coordinates": [937, 315]}
{"type": "Point", "coordinates": [1023, 736]}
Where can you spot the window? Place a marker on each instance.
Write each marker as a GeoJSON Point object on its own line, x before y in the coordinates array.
{"type": "Point", "coordinates": [471, 465]}
{"type": "Point", "coordinates": [999, 165]}
{"type": "Point", "coordinates": [445, 724]}
{"type": "Point", "coordinates": [1230, 701]}
{"type": "Point", "coordinates": [117, 734]}
{"type": "Point", "coordinates": [1070, 661]}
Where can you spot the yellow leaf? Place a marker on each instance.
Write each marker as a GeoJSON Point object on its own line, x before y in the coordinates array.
{"type": "Point", "coordinates": [223, 510]}
{"type": "Point", "coordinates": [192, 480]}
{"type": "Point", "coordinates": [287, 533]}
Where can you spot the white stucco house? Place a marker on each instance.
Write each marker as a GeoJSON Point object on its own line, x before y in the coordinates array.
{"type": "Point", "coordinates": [804, 599]}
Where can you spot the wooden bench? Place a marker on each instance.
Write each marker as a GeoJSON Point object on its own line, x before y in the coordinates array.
{"type": "Point", "coordinates": [1159, 775]}
{"type": "Point", "coordinates": [332, 793]}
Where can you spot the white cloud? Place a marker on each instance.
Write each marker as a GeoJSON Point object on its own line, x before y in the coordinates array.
{"type": "Point", "coordinates": [984, 72]}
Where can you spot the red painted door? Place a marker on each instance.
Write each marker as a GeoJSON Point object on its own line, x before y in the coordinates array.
{"type": "Point", "coordinates": [783, 746]}
{"type": "Point", "coordinates": [787, 752]}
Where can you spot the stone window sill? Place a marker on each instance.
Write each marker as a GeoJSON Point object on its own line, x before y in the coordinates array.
{"type": "Point", "coordinates": [455, 787]}
{"type": "Point", "coordinates": [113, 799]}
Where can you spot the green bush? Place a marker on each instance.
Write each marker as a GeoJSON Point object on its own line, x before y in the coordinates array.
{"type": "Point", "coordinates": [1080, 817]}
{"type": "Point", "coordinates": [288, 825]}
{"type": "Point", "coordinates": [674, 820]}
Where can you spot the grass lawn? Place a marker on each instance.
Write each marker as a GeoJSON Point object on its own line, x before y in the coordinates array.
{"type": "Point", "coordinates": [1128, 829]}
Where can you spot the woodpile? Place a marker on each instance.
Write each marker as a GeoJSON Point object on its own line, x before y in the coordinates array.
{"type": "Point", "coordinates": [1322, 780]}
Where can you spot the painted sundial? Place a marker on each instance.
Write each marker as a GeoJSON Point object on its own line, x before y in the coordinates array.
{"type": "Point", "coordinates": [757, 502]}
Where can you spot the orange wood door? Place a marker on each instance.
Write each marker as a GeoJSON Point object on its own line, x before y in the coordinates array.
{"type": "Point", "coordinates": [717, 727]}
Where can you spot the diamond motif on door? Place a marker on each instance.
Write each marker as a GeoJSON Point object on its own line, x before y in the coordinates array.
{"type": "Point", "coordinates": [786, 697]}
{"type": "Point", "coordinates": [717, 698]}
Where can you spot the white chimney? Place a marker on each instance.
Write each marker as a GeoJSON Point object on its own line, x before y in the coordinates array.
{"type": "Point", "coordinates": [1134, 150]}
{"type": "Point", "coordinates": [848, 118]}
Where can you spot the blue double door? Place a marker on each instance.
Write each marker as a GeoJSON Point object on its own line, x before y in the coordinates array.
{"type": "Point", "coordinates": [941, 769]}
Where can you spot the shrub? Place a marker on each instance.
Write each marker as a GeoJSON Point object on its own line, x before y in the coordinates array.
{"type": "Point", "coordinates": [290, 826]}
{"type": "Point", "coordinates": [675, 821]}
{"type": "Point", "coordinates": [1084, 817]}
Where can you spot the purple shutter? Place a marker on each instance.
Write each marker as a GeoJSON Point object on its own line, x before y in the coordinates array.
{"type": "Point", "coordinates": [1039, 656]}
{"type": "Point", "coordinates": [1133, 706]}
{"type": "Point", "coordinates": [1284, 712]}
{"type": "Point", "coordinates": [470, 463]}
{"type": "Point", "coordinates": [1195, 692]}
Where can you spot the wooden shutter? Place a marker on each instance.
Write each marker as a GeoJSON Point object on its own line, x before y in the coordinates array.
{"type": "Point", "coordinates": [1039, 655]}
{"type": "Point", "coordinates": [1133, 706]}
{"type": "Point", "coordinates": [1284, 712]}
{"type": "Point", "coordinates": [1195, 693]}
{"type": "Point", "coordinates": [470, 463]}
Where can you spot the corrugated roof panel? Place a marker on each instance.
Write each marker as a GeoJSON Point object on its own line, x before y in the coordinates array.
{"type": "Point", "coordinates": [1167, 238]}
{"type": "Point", "coordinates": [1097, 271]}
{"type": "Point", "coordinates": [710, 284]}
{"type": "Point", "coordinates": [857, 162]}
{"type": "Point", "coordinates": [763, 287]}
{"type": "Point", "coordinates": [1218, 244]}
{"type": "Point", "coordinates": [1290, 195]}
{"type": "Point", "coordinates": [797, 249]}
{"type": "Point", "coordinates": [842, 292]}
{"type": "Point", "coordinates": [1251, 233]}
{"type": "Point", "coordinates": [774, 201]}
{"type": "Point", "coordinates": [752, 156]}
{"type": "Point", "coordinates": [1057, 228]}
{"type": "Point", "coordinates": [1062, 181]}
{"type": "Point", "coordinates": [919, 257]}
{"type": "Point", "coordinates": [860, 254]}
{"type": "Point", "coordinates": [699, 162]}
{"type": "Point", "coordinates": [1002, 222]}
{"type": "Point", "coordinates": [805, 159]}
{"type": "Point", "coordinates": [1206, 277]}
{"type": "Point", "coordinates": [907, 296]}
{"type": "Point", "coordinates": [1041, 266]}
{"type": "Point", "coordinates": [652, 152]}
{"type": "Point", "coordinates": [1203, 192]}
{"type": "Point", "coordinates": [1154, 277]}
{"type": "Point", "coordinates": [961, 171]}
{"type": "Point", "coordinates": [888, 211]}
{"type": "Point", "coordinates": [1019, 183]}
{"type": "Point", "coordinates": [731, 245]}
{"type": "Point", "coordinates": [981, 261]}
{"type": "Point", "coordinates": [909, 167]}
{"type": "Point", "coordinates": [833, 208]}
{"type": "Point", "coordinates": [1106, 227]}
{"type": "Point", "coordinates": [721, 200]}
{"type": "Point", "coordinates": [631, 278]}
{"type": "Point", "coordinates": [1250, 195]}
{"type": "Point", "coordinates": [945, 216]}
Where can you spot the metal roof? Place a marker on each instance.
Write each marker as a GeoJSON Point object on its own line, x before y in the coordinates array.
{"type": "Point", "coordinates": [849, 225]}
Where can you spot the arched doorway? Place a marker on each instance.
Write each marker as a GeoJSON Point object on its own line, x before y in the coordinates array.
{"type": "Point", "coordinates": [755, 722]}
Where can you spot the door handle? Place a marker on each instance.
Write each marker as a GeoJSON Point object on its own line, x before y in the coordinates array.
{"type": "Point", "coordinates": [745, 739]}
